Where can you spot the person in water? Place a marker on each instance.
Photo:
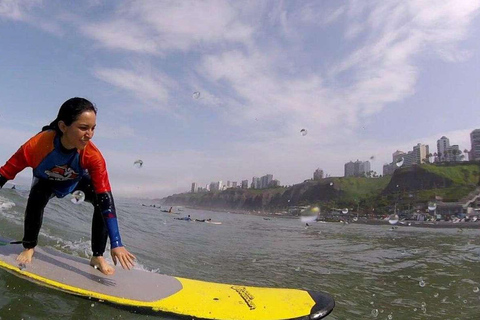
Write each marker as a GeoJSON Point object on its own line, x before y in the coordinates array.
{"type": "Point", "coordinates": [184, 218]}
{"type": "Point", "coordinates": [64, 160]}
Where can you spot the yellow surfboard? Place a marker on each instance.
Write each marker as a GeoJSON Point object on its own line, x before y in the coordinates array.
{"type": "Point", "coordinates": [152, 292]}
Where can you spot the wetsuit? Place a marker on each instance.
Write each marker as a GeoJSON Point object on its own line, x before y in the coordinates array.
{"type": "Point", "coordinates": [58, 172]}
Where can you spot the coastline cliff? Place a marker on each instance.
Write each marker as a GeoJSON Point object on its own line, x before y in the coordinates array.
{"type": "Point", "coordinates": [411, 185]}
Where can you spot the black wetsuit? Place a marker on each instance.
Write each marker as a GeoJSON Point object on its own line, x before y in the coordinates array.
{"type": "Point", "coordinates": [58, 172]}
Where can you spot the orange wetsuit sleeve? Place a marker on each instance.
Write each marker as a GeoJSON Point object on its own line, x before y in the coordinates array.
{"type": "Point", "coordinates": [91, 159]}
{"type": "Point", "coordinates": [30, 154]}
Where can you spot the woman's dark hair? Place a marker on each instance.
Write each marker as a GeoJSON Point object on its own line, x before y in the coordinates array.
{"type": "Point", "coordinates": [69, 112]}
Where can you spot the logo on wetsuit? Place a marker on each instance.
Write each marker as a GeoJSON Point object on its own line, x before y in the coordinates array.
{"type": "Point", "coordinates": [61, 173]}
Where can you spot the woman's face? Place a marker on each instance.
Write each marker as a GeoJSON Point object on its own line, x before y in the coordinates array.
{"type": "Point", "coordinates": [78, 134]}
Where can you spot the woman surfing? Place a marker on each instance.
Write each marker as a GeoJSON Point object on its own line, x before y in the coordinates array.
{"type": "Point", "coordinates": [64, 160]}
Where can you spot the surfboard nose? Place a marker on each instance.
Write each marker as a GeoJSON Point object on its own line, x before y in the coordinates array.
{"type": "Point", "coordinates": [324, 304]}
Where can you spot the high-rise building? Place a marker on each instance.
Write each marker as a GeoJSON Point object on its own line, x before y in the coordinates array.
{"type": "Point", "coordinates": [420, 153]}
{"type": "Point", "coordinates": [364, 168]}
{"type": "Point", "coordinates": [357, 168]}
{"type": "Point", "coordinates": [265, 181]}
{"type": "Point", "coordinates": [212, 186]}
{"type": "Point", "coordinates": [349, 169]}
{"type": "Point", "coordinates": [318, 174]}
{"type": "Point", "coordinates": [255, 183]}
{"type": "Point", "coordinates": [194, 187]}
{"type": "Point", "coordinates": [216, 186]}
{"type": "Point", "coordinates": [442, 145]}
{"type": "Point", "coordinates": [389, 168]}
{"type": "Point", "coordinates": [244, 184]}
{"type": "Point", "coordinates": [397, 156]}
{"type": "Point", "coordinates": [475, 143]}
{"type": "Point", "coordinates": [454, 154]}
{"type": "Point", "coordinates": [447, 152]}
{"type": "Point", "coordinates": [408, 160]}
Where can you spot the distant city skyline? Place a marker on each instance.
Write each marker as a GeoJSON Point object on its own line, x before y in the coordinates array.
{"type": "Point", "coordinates": [419, 154]}
{"type": "Point", "coordinates": [262, 182]}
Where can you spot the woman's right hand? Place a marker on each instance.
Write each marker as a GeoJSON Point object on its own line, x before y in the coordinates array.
{"type": "Point", "coordinates": [126, 259]}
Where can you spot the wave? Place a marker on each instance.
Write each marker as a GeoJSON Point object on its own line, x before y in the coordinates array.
{"type": "Point", "coordinates": [8, 211]}
{"type": "Point", "coordinates": [5, 204]}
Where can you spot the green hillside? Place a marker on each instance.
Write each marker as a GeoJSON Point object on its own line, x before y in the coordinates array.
{"type": "Point", "coordinates": [460, 174]}
{"type": "Point", "coordinates": [407, 187]}
{"type": "Point", "coordinates": [361, 187]}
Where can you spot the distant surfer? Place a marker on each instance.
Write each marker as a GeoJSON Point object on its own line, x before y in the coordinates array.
{"type": "Point", "coordinates": [170, 210]}
{"type": "Point", "coordinates": [64, 160]}
{"type": "Point", "coordinates": [188, 218]}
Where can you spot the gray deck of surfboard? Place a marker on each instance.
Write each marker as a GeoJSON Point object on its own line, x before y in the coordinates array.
{"type": "Point", "coordinates": [77, 272]}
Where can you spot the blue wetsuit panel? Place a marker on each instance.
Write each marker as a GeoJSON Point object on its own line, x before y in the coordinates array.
{"type": "Point", "coordinates": [61, 166]}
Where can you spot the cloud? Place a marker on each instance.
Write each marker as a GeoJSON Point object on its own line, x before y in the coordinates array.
{"type": "Point", "coordinates": [382, 71]}
{"type": "Point", "coordinates": [265, 94]}
{"type": "Point", "coordinates": [147, 86]}
{"type": "Point", "coordinates": [445, 24]}
{"type": "Point", "coordinates": [384, 68]}
{"type": "Point", "coordinates": [159, 27]}
{"type": "Point", "coordinates": [28, 11]}
{"type": "Point", "coordinates": [313, 14]}
{"type": "Point", "coordinates": [234, 59]}
{"type": "Point", "coordinates": [121, 34]}
{"type": "Point", "coordinates": [17, 9]}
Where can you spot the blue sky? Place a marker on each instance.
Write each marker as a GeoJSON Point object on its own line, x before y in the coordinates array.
{"type": "Point", "coordinates": [364, 78]}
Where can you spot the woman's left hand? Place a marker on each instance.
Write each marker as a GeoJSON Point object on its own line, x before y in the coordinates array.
{"type": "Point", "coordinates": [120, 254]}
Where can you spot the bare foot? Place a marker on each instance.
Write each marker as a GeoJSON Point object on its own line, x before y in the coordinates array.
{"type": "Point", "coordinates": [25, 256]}
{"type": "Point", "coordinates": [101, 264]}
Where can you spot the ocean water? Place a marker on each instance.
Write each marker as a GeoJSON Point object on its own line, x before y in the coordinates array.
{"type": "Point", "coordinates": [373, 272]}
